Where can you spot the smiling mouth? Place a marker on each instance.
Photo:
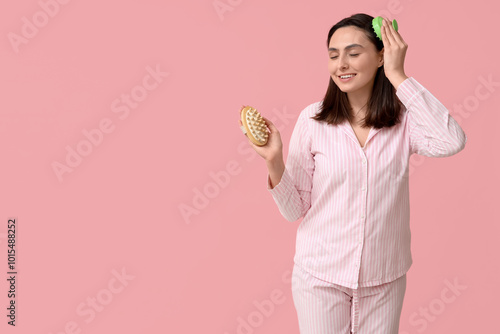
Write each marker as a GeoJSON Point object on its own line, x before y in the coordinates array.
{"type": "Point", "coordinates": [350, 76]}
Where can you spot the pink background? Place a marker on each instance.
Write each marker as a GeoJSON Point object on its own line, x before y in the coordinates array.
{"type": "Point", "coordinates": [119, 209]}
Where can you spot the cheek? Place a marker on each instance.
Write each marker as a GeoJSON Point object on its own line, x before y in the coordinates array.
{"type": "Point", "coordinates": [362, 64]}
{"type": "Point", "coordinates": [330, 66]}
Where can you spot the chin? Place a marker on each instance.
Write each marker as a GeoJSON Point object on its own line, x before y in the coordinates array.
{"type": "Point", "coordinates": [345, 89]}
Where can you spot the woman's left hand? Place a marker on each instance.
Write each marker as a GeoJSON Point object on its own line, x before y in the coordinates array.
{"type": "Point", "coordinates": [394, 52]}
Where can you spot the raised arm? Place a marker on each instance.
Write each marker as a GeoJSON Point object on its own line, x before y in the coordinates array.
{"type": "Point", "coordinates": [433, 131]}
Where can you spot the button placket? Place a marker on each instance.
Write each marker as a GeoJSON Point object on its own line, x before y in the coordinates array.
{"type": "Point", "coordinates": [364, 194]}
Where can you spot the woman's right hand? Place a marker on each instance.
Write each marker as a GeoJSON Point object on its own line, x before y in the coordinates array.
{"type": "Point", "coordinates": [273, 149]}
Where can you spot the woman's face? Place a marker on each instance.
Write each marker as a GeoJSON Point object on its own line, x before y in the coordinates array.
{"type": "Point", "coordinates": [350, 51]}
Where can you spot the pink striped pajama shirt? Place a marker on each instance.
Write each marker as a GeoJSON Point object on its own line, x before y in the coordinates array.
{"type": "Point", "coordinates": [354, 200]}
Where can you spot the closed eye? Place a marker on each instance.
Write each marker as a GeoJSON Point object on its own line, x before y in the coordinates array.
{"type": "Point", "coordinates": [357, 54]}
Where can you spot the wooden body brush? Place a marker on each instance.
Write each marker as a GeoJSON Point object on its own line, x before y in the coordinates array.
{"type": "Point", "coordinates": [253, 125]}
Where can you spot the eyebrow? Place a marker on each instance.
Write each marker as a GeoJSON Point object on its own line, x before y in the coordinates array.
{"type": "Point", "coordinates": [347, 47]}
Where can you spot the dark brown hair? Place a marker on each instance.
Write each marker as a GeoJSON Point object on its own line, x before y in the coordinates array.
{"type": "Point", "coordinates": [383, 108]}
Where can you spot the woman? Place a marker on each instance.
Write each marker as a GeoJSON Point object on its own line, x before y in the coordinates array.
{"type": "Point", "coordinates": [347, 176]}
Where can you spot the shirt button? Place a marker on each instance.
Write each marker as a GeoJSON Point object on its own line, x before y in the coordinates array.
{"type": "Point", "coordinates": [362, 216]}
{"type": "Point", "coordinates": [363, 189]}
{"type": "Point", "coordinates": [364, 162]}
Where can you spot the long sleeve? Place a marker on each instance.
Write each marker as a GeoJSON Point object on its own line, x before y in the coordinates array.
{"type": "Point", "coordinates": [433, 132]}
{"type": "Point", "coordinates": [293, 193]}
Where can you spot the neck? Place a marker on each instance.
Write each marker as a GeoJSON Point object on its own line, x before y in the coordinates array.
{"type": "Point", "coordinates": [358, 108]}
{"type": "Point", "coordinates": [358, 103]}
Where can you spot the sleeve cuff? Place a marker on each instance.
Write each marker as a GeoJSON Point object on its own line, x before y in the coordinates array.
{"type": "Point", "coordinates": [408, 90]}
{"type": "Point", "coordinates": [283, 187]}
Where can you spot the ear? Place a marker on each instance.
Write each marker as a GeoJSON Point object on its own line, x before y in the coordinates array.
{"type": "Point", "coordinates": [381, 57]}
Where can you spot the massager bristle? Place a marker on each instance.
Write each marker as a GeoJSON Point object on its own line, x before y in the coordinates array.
{"type": "Point", "coordinates": [254, 125]}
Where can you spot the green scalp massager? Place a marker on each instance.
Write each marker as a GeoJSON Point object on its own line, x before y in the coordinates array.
{"type": "Point", "coordinates": [377, 24]}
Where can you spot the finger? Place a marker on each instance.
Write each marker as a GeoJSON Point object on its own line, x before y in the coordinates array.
{"type": "Point", "coordinates": [396, 36]}
{"type": "Point", "coordinates": [270, 124]}
{"type": "Point", "coordinates": [385, 40]}
{"type": "Point", "coordinates": [387, 32]}
{"type": "Point", "coordinates": [393, 35]}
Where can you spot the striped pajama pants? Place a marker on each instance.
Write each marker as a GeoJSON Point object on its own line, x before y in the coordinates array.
{"type": "Point", "coordinates": [326, 308]}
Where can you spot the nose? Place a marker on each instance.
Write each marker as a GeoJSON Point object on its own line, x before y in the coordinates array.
{"type": "Point", "coordinates": [343, 63]}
